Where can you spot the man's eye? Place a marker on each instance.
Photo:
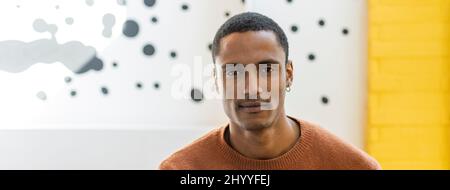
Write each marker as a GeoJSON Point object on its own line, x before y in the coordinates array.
{"type": "Point", "coordinates": [267, 69]}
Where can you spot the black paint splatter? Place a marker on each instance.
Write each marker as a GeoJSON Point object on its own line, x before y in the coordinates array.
{"type": "Point", "coordinates": [104, 90]}
{"type": "Point", "coordinates": [196, 95]}
{"type": "Point", "coordinates": [130, 28]}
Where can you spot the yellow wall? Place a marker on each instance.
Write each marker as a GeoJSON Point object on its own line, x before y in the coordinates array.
{"type": "Point", "coordinates": [409, 83]}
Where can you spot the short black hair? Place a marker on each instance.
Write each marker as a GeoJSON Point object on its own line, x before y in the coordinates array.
{"type": "Point", "coordinates": [249, 21]}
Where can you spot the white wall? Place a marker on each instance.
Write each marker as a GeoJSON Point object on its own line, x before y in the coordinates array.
{"type": "Point", "coordinates": [90, 149]}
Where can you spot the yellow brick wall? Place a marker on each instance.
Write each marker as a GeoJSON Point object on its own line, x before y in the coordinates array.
{"type": "Point", "coordinates": [409, 83]}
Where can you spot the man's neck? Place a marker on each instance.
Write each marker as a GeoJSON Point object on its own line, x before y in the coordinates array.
{"type": "Point", "coordinates": [267, 143]}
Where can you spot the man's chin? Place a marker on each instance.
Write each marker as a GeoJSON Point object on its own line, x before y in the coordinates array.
{"type": "Point", "coordinates": [254, 124]}
{"type": "Point", "coordinates": [253, 120]}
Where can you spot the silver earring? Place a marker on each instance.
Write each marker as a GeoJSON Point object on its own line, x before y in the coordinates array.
{"type": "Point", "coordinates": [288, 88]}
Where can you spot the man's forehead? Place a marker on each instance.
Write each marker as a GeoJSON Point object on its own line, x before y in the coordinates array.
{"type": "Point", "coordinates": [249, 40]}
{"type": "Point", "coordinates": [249, 47]}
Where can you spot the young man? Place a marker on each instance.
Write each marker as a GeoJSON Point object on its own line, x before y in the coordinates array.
{"type": "Point", "coordinates": [259, 134]}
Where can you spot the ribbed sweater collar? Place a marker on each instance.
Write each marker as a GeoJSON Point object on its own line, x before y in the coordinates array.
{"type": "Point", "coordinates": [295, 154]}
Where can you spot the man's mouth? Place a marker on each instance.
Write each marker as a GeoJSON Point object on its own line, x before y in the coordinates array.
{"type": "Point", "coordinates": [250, 107]}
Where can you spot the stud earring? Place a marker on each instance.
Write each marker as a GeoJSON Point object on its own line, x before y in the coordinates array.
{"type": "Point", "coordinates": [288, 88]}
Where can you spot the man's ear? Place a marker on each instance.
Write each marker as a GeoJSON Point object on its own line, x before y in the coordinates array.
{"type": "Point", "coordinates": [289, 73]}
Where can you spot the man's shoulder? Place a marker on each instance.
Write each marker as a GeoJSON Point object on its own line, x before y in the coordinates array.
{"type": "Point", "coordinates": [193, 152]}
{"type": "Point", "coordinates": [333, 149]}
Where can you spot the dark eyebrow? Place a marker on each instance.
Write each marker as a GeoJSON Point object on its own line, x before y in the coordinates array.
{"type": "Point", "coordinates": [266, 61]}
{"type": "Point", "coordinates": [224, 65]}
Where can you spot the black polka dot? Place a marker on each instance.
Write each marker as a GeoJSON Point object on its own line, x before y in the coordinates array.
{"type": "Point", "coordinates": [325, 100]}
{"type": "Point", "coordinates": [227, 14]}
{"type": "Point", "coordinates": [311, 57]}
{"type": "Point", "coordinates": [139, 85]}
{"type": "Point", "coordinates": [73, 93]}
{"type": "Point", "coordinates": [67, 79]}
{"type": "Point", "coordinates": [196, 95]}
{"type": "Point", "coordinates": [130, 28]}
{"type": "Point", "coordinates": [243, 1]}
{"type": "Point", "coordinates": [185, 7]}
{"type": "Point", "coordinates": [289, 1]}
{"type": "Point", "coordinates": [321, 22]}
{"type": "Point", "coordinates": [104, 90]}
{"type": "Point", "coordinates": [173, 54]}
{"type": "Point", "coordinates": [149, 3]}
{"type": "Point", "coordinates": [345, 31]}
{"type": "Point", "coordinates": [294, 28]}
{"type": "Point", "coordinates": [154, 19]}
{"type": "Point", "coordinates": [114, 64]}
{"type": "Point", "coordinates": [156, 85]}
{"type": "Point", "coordinates": [148, 50]}
{"type": "Point", "coordinates": [210, 47]}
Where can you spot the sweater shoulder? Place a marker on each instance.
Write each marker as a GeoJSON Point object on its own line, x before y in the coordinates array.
{"type": "Point", "coordinates": [336, 153]}
{"type": "Point", "coordinates": [190, 155]}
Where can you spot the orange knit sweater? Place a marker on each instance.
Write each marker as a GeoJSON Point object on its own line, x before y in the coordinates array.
{"type": "Point", "coordinates": [315, 149]}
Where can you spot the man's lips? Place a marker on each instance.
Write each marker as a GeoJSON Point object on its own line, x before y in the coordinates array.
{"type": "Point", "coordinates": [251, 106]}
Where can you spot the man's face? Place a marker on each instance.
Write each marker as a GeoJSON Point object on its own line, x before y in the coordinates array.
{"type": "Point", "coordinates": [252, 74]}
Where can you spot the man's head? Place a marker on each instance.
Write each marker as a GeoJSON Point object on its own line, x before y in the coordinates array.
{"type": "Point", "coordinates": [254, 41]}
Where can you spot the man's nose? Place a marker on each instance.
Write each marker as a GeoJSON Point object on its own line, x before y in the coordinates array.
{"type": "Point", "coordinates": [251, 85]}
